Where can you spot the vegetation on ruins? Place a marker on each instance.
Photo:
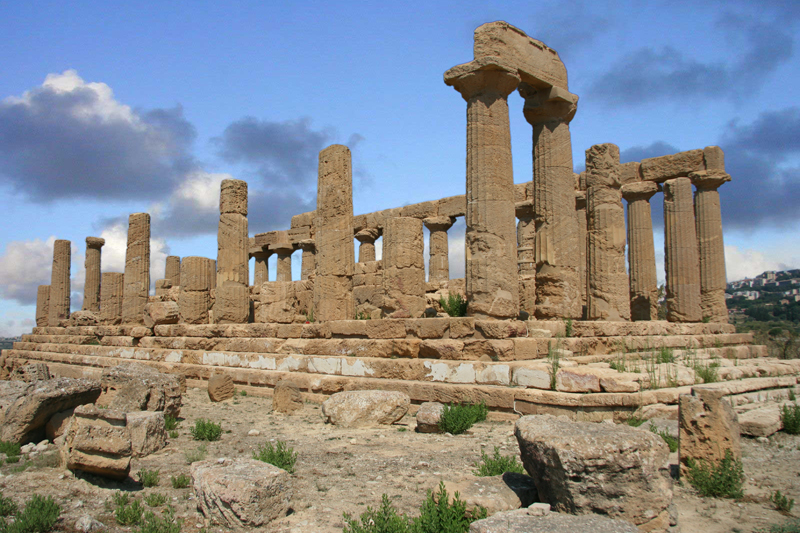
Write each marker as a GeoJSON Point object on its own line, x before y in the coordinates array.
{"type": "Point", "coordinates": [170, 422]}
{"type": "Point", "coordinates": [568, 327]}
{"type": "Point", "coordinates": [706, 371]}
{"type": "Point", "coordinates": [790, 417]}
{"type": "Point", "coordinates": [155, 499]}
{"type": "Point", "coordinates": [206, 430]}
{"type": "Point", "coordinates": [789, 527]}
{"type": "Point", "coordinates": [781, 502]}
{"type": "Point", "coordinates": [151, 523]}
{"type": "Point", "coordinates": [280, 455]}
{"type": "Point", "coordinates": [148, 478]}
{"type": "Point", "coordinates": [11, 449]}
{"type": "Point", "coordinates": [672, 442]}
{"type": "Point", "coordinates": [722, 480]}
{"type": "Point", "coordinates": [196, 454]}
{"type": "Point", "coordinates": [39, 515]}
{"type": "Point", "coordinates": [454, 305]}
{"type": "Point", "coordinates": [497, 464]}
{"type": "Point", "coordinates": [554, 360]}
{"type": "Point", "coordinates": [456, 419]}
{"type": "Point", "coordinates": [7, 506]}
{"type": "Point", "coordinates": [635, 421]}
{"type": "Point", "coordinates": [127, 512]}
{"type": "Point", "coordinates": [180, 482]}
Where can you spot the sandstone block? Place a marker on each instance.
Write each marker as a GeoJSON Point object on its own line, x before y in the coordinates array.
{"type": "Point", "coordinates": [287, 397]}
{"type": "Point", "coordinates": [232, 304]}
{"type": "Point", "coordinates": [524, 521]}
{"type": "Point", "coordinates": [83, 318]}
{"type": "Point", "coordinates": [366, 408]}
{"type": "Point", "coordinates": [441, 349]}
{"type": "Point", "coordinates": [221, 387]}
{"type": "Point", "coordinates": [42, 305]}
{"type": "Point", "coordinates": [112, 287]}
{"type": "Point", "coordinates": [98, 442]}
{"type": "Point", "coordinates": [233, 197]}
{"type": "Point", "coordinates": [137, 269]}
{"type": "Point", "coordinates": [159, 313]}
{"type": "Point", "coordinates": [428, 417]}
{"type": "Point", "coordinates": [672, 166]}
{"type": "Point", "coordinates": [58, 424]}
{"type": "Point", "coordinates": [59, 299]}
{"type": "Point", "coordinates": [708, 426]}
{"type": "Point", "coordinates": [494, 493]}
{"type": "Point", "coordinates": [138, 387]}
{"type": "Point", "coordinates": [31, 372]}
{"type": "Point", "coordinates": [148, 432]}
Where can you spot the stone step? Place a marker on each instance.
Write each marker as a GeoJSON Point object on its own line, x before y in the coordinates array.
{"type": "Point", "coordinates": [763, 419]}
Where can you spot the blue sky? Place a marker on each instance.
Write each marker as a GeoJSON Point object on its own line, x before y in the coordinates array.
{"type": "Point", "coordinates": [112, 108]}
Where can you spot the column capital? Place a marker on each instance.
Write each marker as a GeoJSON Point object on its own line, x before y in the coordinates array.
{"type": "Point", "coordinates": [95, 242]}
{"type": "Point", "coordinates": [709, 180]}
{"type": "Point", "coordinates": [485, 75]}
{"type": "Point", "coordinates": [547, 104]}
{"type": "Point", "coordinates": [641, 190]}
{"type": "Point", "coordinates": [439, 223]}
{"type": "Point", "coordinates": [368, 235]}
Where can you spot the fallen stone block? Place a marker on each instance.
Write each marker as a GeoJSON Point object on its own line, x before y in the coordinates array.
{"type": "Point", "coordinates": [58, 424]}
{"type": "Point", "coordinates": [31, 372]}
{"type": "Point", "coordinates": [98, 441]}
{"type": "Point", "coordinates": [708, 426]}
{"type": "Point", "coordinates": [148, 432]}
{"type": "Point", "coordinates": [428, 417]}
{"type": "Point", "coordinates": [220, 387]}
{"type": "Point", "coordinates": [761, 422]}
{"type": "Point", "coordinates": [287, 397]}
{"type": "Point", "coordinates": [523, 521]}
{"type": "Point", "coordinates": [160, 313]}
{"type": "Point", "coordinates": [494, 493]}
{"type": "Point", "coordinates": [138, 387]}
{"type": "Point", "coordinates": [365, 408]}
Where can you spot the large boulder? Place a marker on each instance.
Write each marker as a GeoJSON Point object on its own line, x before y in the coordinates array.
{"type": "Point", "coordinates": [366, 408]}
{"type": "Point", "coordinates": [241, 493]}
{"type": "Point", "coordinates": [58, 424]}
{"type": "Point", "coordinates": [586, 467]}
{"type": "Point", "coordinates": [139, 387]}
{"type": "Point", "coordinates": [220, 387]}
{"type": "Point", "coordinates": [25, 408]}
{"type": "Point", "coordinates": [287, 397]}
{"type": "Point", "coordinates": [523, 521]}
{"type": "Point", "coordinates": [148, 432]}
{"type": "Point", "coordinates": [98, 441]}
{"type": "Point", "coordinates": [708, 426]}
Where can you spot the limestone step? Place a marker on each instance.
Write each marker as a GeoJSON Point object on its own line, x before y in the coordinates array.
{"type": "Point", "coordinates": [763, 419]}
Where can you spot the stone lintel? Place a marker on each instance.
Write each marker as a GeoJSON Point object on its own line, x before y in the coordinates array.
{"type": "Point", "coordinates": [307, 245]}
{"type": "Point", "coordinates": [660, 169]}
{"type": "Point", "coordinates": [523, 209]}
{"type": "Point", "coordinates": [282, 248]}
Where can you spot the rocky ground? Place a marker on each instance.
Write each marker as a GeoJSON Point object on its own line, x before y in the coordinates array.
{"type": "Point", "coordinates": [345, 470]}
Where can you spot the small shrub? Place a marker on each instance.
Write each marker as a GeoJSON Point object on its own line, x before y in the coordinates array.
{"type": "Point", "coordinates": [792, 395]}
{"type": "Point", "coordinates": [568, 327]}
{"type": "Point", "coordinates": [155, 499]}
{"type": "Point", "coordinates": [170, 422]}
{"type": "Point", "coordinates": [180, 482]}
{"type": "Point", "coordinates": [120, 498]}
{"type": "Point", "coordinates": [11, 449]}
{"type": "Point", "coordinates": [206, 430]}
{"type": "Point", "coordinates": [382, 520]}
{"type": "Point", "coordinates": [724, 480]}
{"type": "Point", "coordinates": [665, 355]}
{"type": "Point", "coordinates": [280, 455]}
{"type": "Point", "coordinates": [243, 393]}
{"type": "Point", "coordinates": [360, 315]}
{"type": "Point", "coordinates": [456, 419]}
{"type": "Point", "coordinates": [790, 527]}
{"type": "Point", "coordinates": [148, 478]}
{"type": "Point", "coordinates": [173, 434]}
{"type": "Point", "coordinates": [497, 464]}
{"type": "Point", "coordinates": [438, 515]}
{"type": "Point", "coordinates": [401, 429]}
{"type": "Point", "coordinates": [671, 441]}
{"type": "Point", "coordinates": [454, 305]}
{"type": "Point", "coordinates": [708, 373]}
{"type": "Point", "coordinates": [129, 514]}
{"type": "Point", "coordinates": [7, 506]}
{"type": "Point", "coordinates": [790, 416]}
{"type": "Point", "coordinates": [635, 421]}
{"type": "Point", "coordinates": [781, 502]}
{"type": "Point", "coordinates": [40, 515]}
{"type": "Point", "coordinates": [153, 524]}
{"type": "Point", "coordinates": [12, 459]}
{"type": "Point", "coordinates": [197, 454]}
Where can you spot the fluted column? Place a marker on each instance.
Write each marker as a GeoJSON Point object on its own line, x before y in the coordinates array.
{"type": "Point", "coordinates": [232, 297]}
{"type": "Point", "coordinates": [137, 269]}
{"type": "Point", "coordinates": [308, 260]}
{"type": "Point", "coordinates": [641, 250]}
{"type": "Point", "coordinates": [403, 268]}
{"type": "Point", "coordinates": [681, 258]}
{"type": "Point", "coordinates": [91, 286]}
{"type": "Point", "coordinates": [711, 247]}
{"type": "Point", "coordinates": [492, 283]}
{"type": "Point", "coordinates": [549, 111]}
{"type": "Point", "coordinates": [581, 221]}
{"type": "Point", "coordinates": [526, 261]}
{"type": "Point", "coordinates": [42, 305]}
{"type": "Point", "coordinates": [261, 273]}
{"type": "Point", "coordinates": [59, 283]}
{"type": "Point", "coordinates": [284, 265]}
{"type": "Point", "coordinates": [172, 270]}
{"type": "Point", "coordinates": [367, 238]}
{"type": "Point", "coordinates": [439, 261]}
{"type": "Point", "coordinates": [112, 289]}
{"type": "Point", "coordinates": [194, 299]}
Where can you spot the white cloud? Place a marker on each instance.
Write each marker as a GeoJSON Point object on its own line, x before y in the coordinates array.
{"type": "Point", "coordinates": [23, 267]}
{"type": "Point", "coordinates": [745, 263]}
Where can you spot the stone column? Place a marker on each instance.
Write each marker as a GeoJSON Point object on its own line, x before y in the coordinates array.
{"type": "Point", "coordinates": [581, 221]}
{"type": "Point", "coordinates": [608, 289]}
{"type": "Point", "coordinates": [137, 269]}
{"type": "Point", "coordinates": [58, 308]}
{"type": "Point", "coordinates": [42, 305]}
{"type": "Point", "coordinates": [367, 238]}
{"type": "Point", "coordinates": [708, 218]}
{"type": "Point", "coordinates": [232, 301]}
{"type": "Point", "coordinates": [308, 261]}
{"type": "Point", "coordinates": [403, 268]}
{"type": "Point", "coordinates": [641, 250]}
{"type": "Point", "coordinates": [681, 259]}
{"type": "Point", "coordinates": [91, 287]}
{"type": "Point", "coordinates": [550, 111]}
{"type": "Point", "coordinates": [439, 262]}
{"type": "Point", "coordinates": [335, 260]}
{"type": "Point", "coordinates": [492, 283]}
{"type": "Point", "coordinates": [261, 273]}
{"type": "Point", "coordinates": [526, 243]}
{"type": "Point", "coordinates": [112, 289]}
{"type": "Point", "coordinates": [172, 271]}
{"type": "Point", "coordinates": [194, 299]}
{"type": "Point", "coordinates": [284, 251]}
{"type": "Point", "coordinates": [212, 273]}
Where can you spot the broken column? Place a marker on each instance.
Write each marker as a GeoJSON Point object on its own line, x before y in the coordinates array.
{"type": "Point", "coordinates": [42, 305]}
{"type": "Point", "coordinates": [641, 250]}
{"type": "Point", "coordinates": [367, 238]}
{"type": "Point", "coordinates": [492, 283]}
{"type": "Point", "coordinates": [581, 221]}
{"type": "Point", "coordinates": [439, 263]}
{"type": "Point", "coordinates": [681, 260]}
{"type": "Point", "coordinates": [172, 271]}
{"type": "Point", "coordinates": [284, 264]}
{"type": "Point", "coordinates": [232, 303]}
{"type": "Point", "coordinates": [403, 268]}
{"type": "Point", "coordinates": [58, 308]}
{"type": "Point", "coordinates": [112, 287]}
{"type": "Point", "coordinates": [261, 273]}
{"type": "Point", "coordinates": [549, 111]}
{"type": "Point", "coordinates": [526, 242]}
{"type": "Point", "coordinates": [91, 286]}
{"type": "Point", "coordinates": [308, 260]}
{"type": "Point", "coordinates": [194, 298]}
{"type": "Point", "coordinates": [335, 259]}
{"type": "Point", "coordinates": [137, 269]}
{"type": "Point", "coordinates": [607, 296]}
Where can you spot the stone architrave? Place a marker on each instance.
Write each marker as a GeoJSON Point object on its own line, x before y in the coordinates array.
{"type": "Point", "coordinates": [439, 263]}
{"type": "Point", "coordinates": [708, 218]}
{"type": "Point", "coordinates": [172, 270]}
{"type": "Point", "coordinates": [367, 238]}
{"type": "Point", "coordinates": [112, 288]}
{"type": "Point", "coordinates": [335, 257]}
{"type": "Point", "coordinates": [261, 273]}
{"type": "Point", "coordinates": [284, 264]}
{"type": "Point", "coordinates": [526, 244]}
{"type": "Point", "coordinates": [137, 269]}
{"type": "Point", "coordinates": [681, 258]}
{"type": "Point", "coordinates": [232, 302]}
{"type": "Point", "coordinates": [492, 282]}
{"type": "Point", "coordinates": [607, 296]}
{"type": "Point", "coordinates": [59, 283]}
{"type": "Point", "coordinates": [91, 287]}
{"type": "Point", "coordinates": [194, 299]}
{"type": "Point", "coordinates": [42, 305]}
{"type": "Point", "coordinates": [641, 250]}
{"type": "Point", "coordinates": [582, 223]}
{"type": "Point", "coordinates": [308, 259]}
{"type": "Point", "coordinates": [403, 268]}
{"type": "Point", "coordinates": [549, 111]}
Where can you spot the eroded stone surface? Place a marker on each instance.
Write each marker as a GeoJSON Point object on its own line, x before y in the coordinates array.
{"type": "Point", "coordinates": [365, 408]}
{"type": "Point", "coordinates": [708, 426]}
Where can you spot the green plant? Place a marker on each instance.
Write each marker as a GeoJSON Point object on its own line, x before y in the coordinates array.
{"type": "Point", "coordinates": [153, 524]}
{"type": "Point", "coordinates": [170, 422]}
{"type": "Point", "coordinates": [789, 527]}
{"type": "Point", "coordinates": [206, 430]}
{"type": "Point", "coordinates": [128, 513]}
{"type": "Point", "coordinates": [790, 416]}
{"type": "Point", "coordinates": [360, 315]}
{"type": "Point", "coordinates": [454, 305]}
{"type": "Point", "coordinates": [173, 434]}
{"type": "Point", "coordinates": [180, 482]}
{"type": "Point", "coordinates": [708, 372]}
{"type": "Point", "coordinates": [724, 479]}
{"type": "Point", "coordinates": [155, 499]}
{"type": "Point", "coordinates": [243, 393]}
{"type": "Point", "coordinates": [568, 327]}
{"type": "Point", "coordinates": [671, 441]}
{"type": "Point", "coordinates": [402, 429]}
{"type": "Point", "coordinates": [706, 319]}
{"type": "Point", "coordinates": [7, 506]}
{"type": "Point", "coordinates": [382, 520]}
{"type": "Point", "coordinates": [280, 455]}
{"type": "Point", "coordinates": [792, 395]}
{"type": "Point", "coordinates": [781, 502]}
{"type": "Point", "coordinates": [197, 454]}
{"type": "Point", "coordinates": [438, 515]}
{"type": "Point", "coordinates": [39, 515]}
{"type": "Point", "coordinates": [665, 355]}
{"type": "Point", "coordinates": [12, 459]}
{"type": "Point", "coordinates": [497, 464]}
{"type": "Point", "coordinates": [148, 478]}
{"type": "Point", "coordinates": [456, 419]}
{"type": "Point", "coordinates": [635, 421]}
{"type": "Point", "coordinates": [11, 449]}
{"type": "Point", "coordinates": [120, 498]}
{"type": "Point", "coordinates": [310, 317]}
{"type": "Point", "coordinates": [620, 363]}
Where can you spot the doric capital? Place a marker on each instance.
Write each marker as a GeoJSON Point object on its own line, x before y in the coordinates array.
{"type": "Point", "coordinates": [642, 190]}
{"type": "Point", "coordinates": [709, 180]}
{"type": "Point", "coordinates": [548, 104]}
{"type": "Point", "coordinates": [439, 223]}
{"type": "Point", "coordinates": [483, 76]}
{"type": "Point", "coordinates": [95, 242]}
{"type": "Point", "coordinates": [368, 235]}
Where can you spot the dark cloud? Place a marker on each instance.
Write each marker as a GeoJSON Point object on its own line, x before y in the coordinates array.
{"type": "Point", "coordinates": [568, 27]}
{"type": "Point", "coordinates": [637, 153]}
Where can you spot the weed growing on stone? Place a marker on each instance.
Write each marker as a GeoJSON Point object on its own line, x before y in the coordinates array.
{"type": "Point", "coordinates": [198, 454]}
{"type": "Point", "coordinates": [792, 395]}
{"type": "Point", "coordinates": [7, 506]}
{"type": "Point", "coordinates": [206, 430]}
{"type": "Point", "coordinates": [128, 513]}
{"type": "Point", "coordinates": [39, 515]}
{"type": "Point", "coordinates": [635, 421]}
{"type": "Point", "coordinates": [360, 315]}
{"type": "Point", "coordinates": [619, 363]}
{"type": "Point", "coordinates": [671, 441]}
{"type": "Point", "coordinates": [665, 355]}
{"type": "Point", "coordinates": [781, 502]}
{"type": "Point", "coordinates": [790, 416]}
{"type": "Point", "coordinates": [151, 523]}
{"type": "Point", "coordinates": [170, 422]}
{"type": "Point", "coordinates": [456, 419]}
{"type": "Point", "coordinates": [155, 499]}
{"type": "Point", "coordinates": [243, 393]}
{"type": "Point", "coordinates": [280, 455]}
{"type": "Point", "coordinates": [707, 372]}
{"type": "Point", "coordinates": [454, 305]}
{"type": "Point", "coordinates": [568, 327]}
{"type": "Point", "coordinates": [180, 482]}
{"type": "Point", "coordinates": [385, 519]}
{"type": "Point", "coordinates": [148, 478]}
{"type": "Point", "coordinates": [722, 480]}
{"type": "Point", "coordinates": [173, 434]}
{"type": "Point", "coordinates": [497, 464]}
{"type": "Point", "coordinates": [11, 449]}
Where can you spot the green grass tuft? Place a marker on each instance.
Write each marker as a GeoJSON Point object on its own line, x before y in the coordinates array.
{"type": "Point", "coordinates": [170, 422]}
{"type": "Point", "coordinates": [457, 419]}
{"type": "Point", "coordinates": [148, 478]}
{"type": "Point", "coordinates": [39, 515]}
{"type": "Point", "coordinates": [206, 430]}
{"type": "Point", "coordinates": [497, 464]}
{"type": "Point", "coordinates": [180, 482]}
{"type": "Point", "coordinates": [280, 455]}
{"type": "Point", "coordinates": [722, 480]}
{"type": "Point", "coordinates": [781, 502]}
{"type": "Point", "coordinates": [155, 499]}
{"type": "Point", "coordinates": [790, 416]}
{"type": "Point", "coordinates": [671, 441]}
{"type": "Point", "coordinates": [454, 305]}
{"type": "Point", "coordinates": [196, 454]}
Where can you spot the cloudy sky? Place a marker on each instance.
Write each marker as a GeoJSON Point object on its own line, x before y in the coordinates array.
{"type": "Point", "coordinates": [112, 108]}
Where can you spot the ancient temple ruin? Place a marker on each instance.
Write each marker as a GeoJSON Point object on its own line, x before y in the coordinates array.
{"type": "Point", "coordinates": [556, 311]}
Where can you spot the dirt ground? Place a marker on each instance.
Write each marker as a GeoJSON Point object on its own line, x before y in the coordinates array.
{"type": "Point", "coordinates": [345, 470]}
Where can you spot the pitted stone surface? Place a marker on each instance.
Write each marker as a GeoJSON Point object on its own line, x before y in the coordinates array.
{"type": "Point", "coordinates": [403, 268]}
{"type": "Point", "coordinates": [221, 387]}
{"type": "Point", "coordinates": [681, 263]}
{"type": "Point", "coordinates": [91, 287]}
{"type": "Point", "coordinates": [232, 298]}
{"type": "Point", "coordinates": [522, 521]}
{"type": "Point", "coordinates": [137, 269]}
{"type": "Point", "coordinates": [111, 296]}
{"type": "Point", "coordinates": [59, 283]}
{"type": "Point", "coordinates": [194, 300]}
{"type": "Point", "coordinates": [42, 305]}
{"type": "Point", "coordinates": [641, 251]}
{"type": "Point", "coordinates": [287, 397]}
{"type": "Point", "coordinates": [98, 441]}
{"type": "Point", "coordinates": [172, 270]}
{"type": "Point", "coordinates": [708, 426]}
{"type": "Point", "coordinates": [365, 408]}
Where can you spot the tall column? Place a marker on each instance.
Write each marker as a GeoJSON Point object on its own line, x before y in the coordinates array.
{"type": "Point", "coordinates": [261, 273]}
{"type": "Point", "coordinates": [308, 261]}
{"type": "Point", "coordinates": [492, 283]}
{"type": "Point", "coordinates": [607, 296]}
{"type": "Point", "coordinates": [403, 268]}
{"type": "Point", "coordinates": [581, 221]}
{"type": "Point", "coordinates": [710, 244]}
{"type": "Point", "coordinates": [91, 287]}
{"type": "Point", "coordinates": [439, 263]}
{"type": "Point", "coordinates": [335, 260]}
{"type": "Point", "coordinates": [641, 250]}
{"type": "Point", "coordinates": [367, 238]}
{"type": "Point", "coordinates": [526, 243]}
{"type": "Point", "coordinates": [232, 301]}
{"type": "Point", "coordinates": [194, 299]}
{"type": "Point", "coordinates": [59, 283]}
{"type": "Point", "coordinates": [137, 269]}
{"type": "Point", "coordinates": [550, 111]}
{"type": "Point", "coordinates": [172, 271]}
{"type": "Point", "coordinates": [42, 305]}
{"type": "Point", "coordinates": [681, 258]}
{"type": "Point", "coordinates": [284, 269]}
{"type": "Point", "coordinates": [112, 289]}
